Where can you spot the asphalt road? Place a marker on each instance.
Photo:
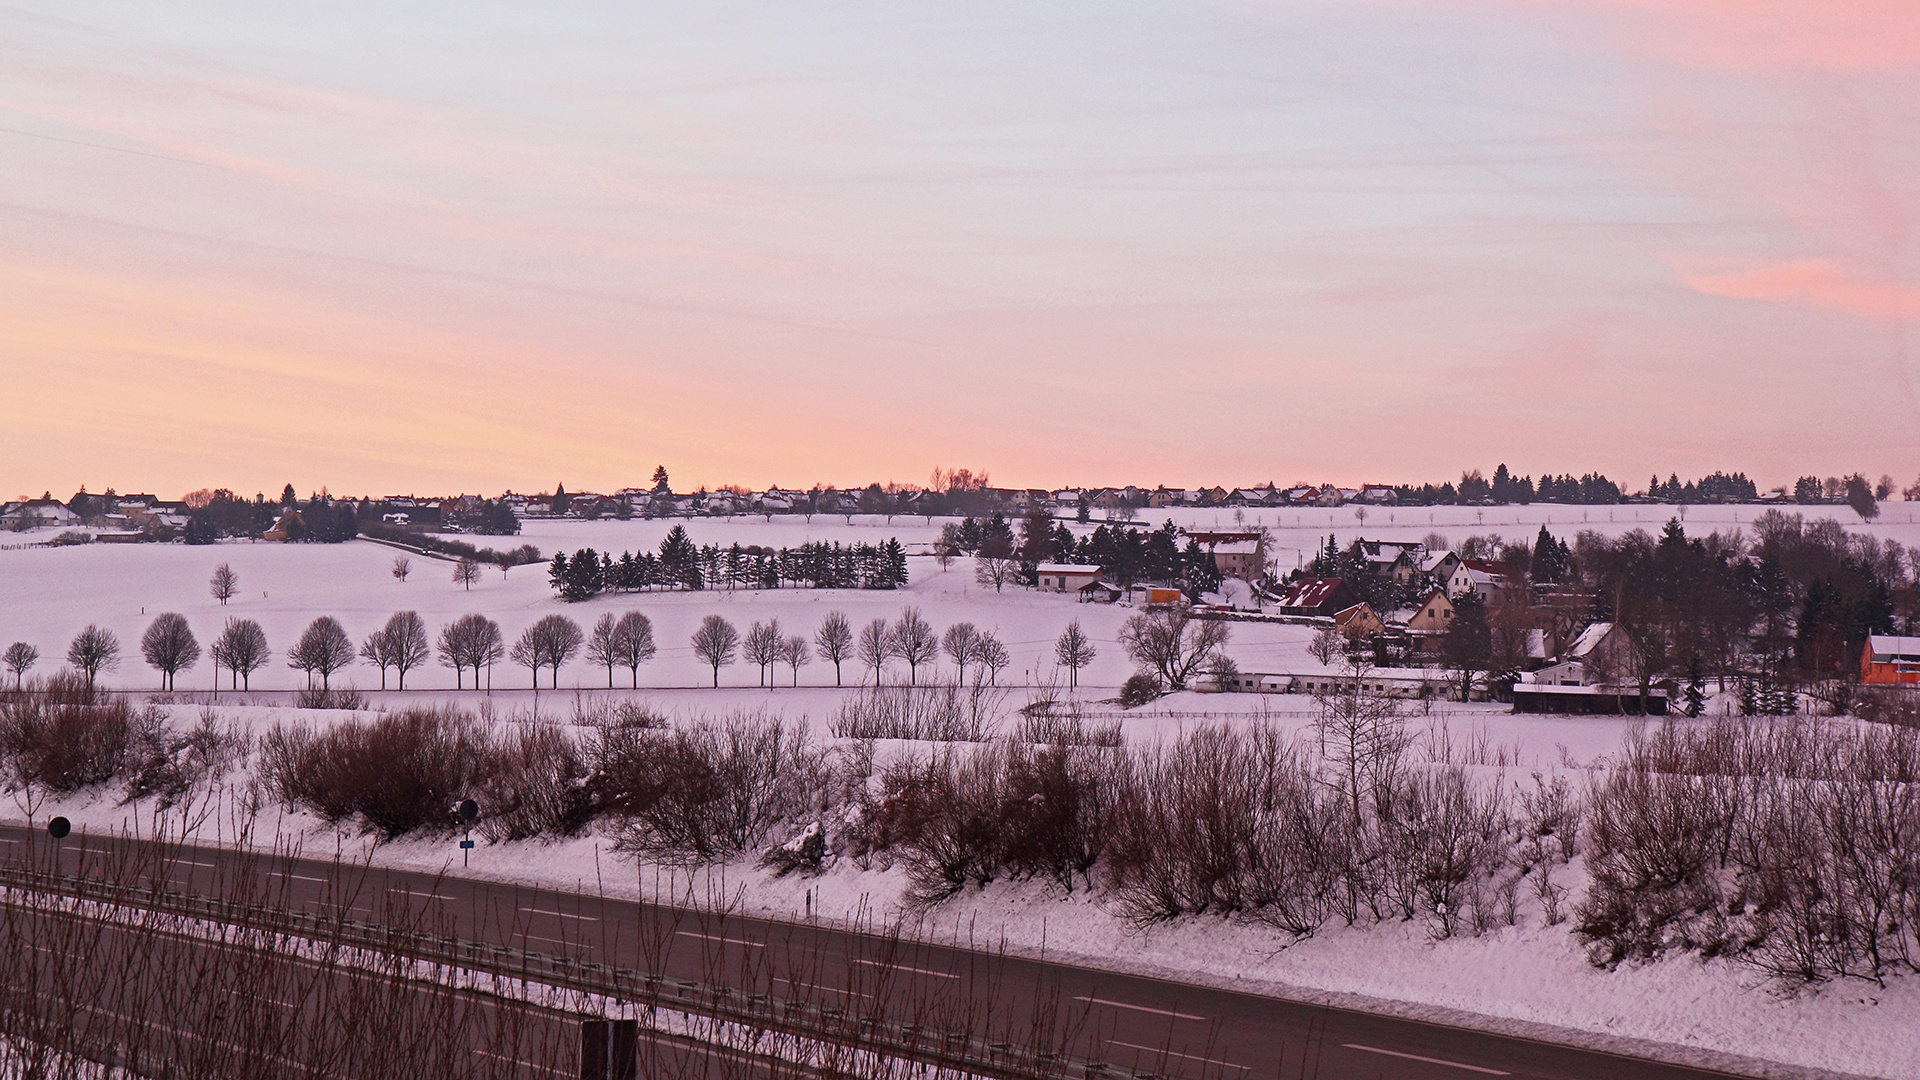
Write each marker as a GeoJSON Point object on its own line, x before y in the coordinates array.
{"type": "Point", "coordinates": [1168, 1028]}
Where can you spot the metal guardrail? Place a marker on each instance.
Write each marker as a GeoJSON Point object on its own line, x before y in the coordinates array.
{"type": "Point", "coordinates": [918, 1043]}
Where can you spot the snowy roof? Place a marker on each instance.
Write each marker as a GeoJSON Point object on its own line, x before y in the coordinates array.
{"type": "Point", "coordinates": [1310, 592]}
{"type": "Point", "coordinates": [1238, 547]}
{"type": "Point", "coordinates": [1889, 647]}
{"type": "Point", "coordinates": [1434, 560]}
{"type": "Point", "coordinates": [1067, 568]}
{"type": "Point", "coordinates": [1589, 639]}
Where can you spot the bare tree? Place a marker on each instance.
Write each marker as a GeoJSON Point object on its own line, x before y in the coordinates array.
{"type": "Point", "coordinates": [992, 655]}
{"type": "Point", "coordinates": [1361, 731]}
{"type": "Point", "coordinates": [558, 638]}
{"type": "Point", "coordinates": [877, 646]}
{"type": "Point", "coordinates": [224, 584]}
{"type": "Point", "coordinates": [169, 647]}
{"type": "Point", "coordinates": [915, 642]}
{"type": "Point", "coordinates": [323, 647]}
{"type": "Point", "coordinates": [633, 643]}
{"type": "Point", "coordinates": [242, 649]}
{"type": "Point", "coordinates": [795, 653]}
{"type": "Point", "coordinates": [762, 646]}
{"type": "Point", "coordinates": [466, 572]}
{"type": "Point", "coordinates": [960, 641]}
{"type": "Point", "coordinates": [471, 641]}
{"type": "Point", "coordinates": [526, 653]}
{"type": "Point", "coordinates": [377, 650]}
{"type": "Point", "coordinates": [1074, 650]}
{"type": "Point", "coordinates": [998, 571]}
{"type": "Point", "coordinates": [93, 651]}
{"type": "Point", "coordinates": [715, 643]}
{"type": "Point", "coordinates": [406, 643]}
{"type": "Point", "coordinates": [402, 566]}
{"type": "Point", "coordinates": [1327, 646]}
{"type": "Point", "coordinates": [600, 648]}
{"type": "Point", "coordinates": [1171, 643]}
{"type": "Point", "coordinates": [20, 658]}
{"type": "Point", "coordinates": [834, 640]}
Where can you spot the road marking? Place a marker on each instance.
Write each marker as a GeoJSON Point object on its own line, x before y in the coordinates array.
{"type": "Point", "coordinates": [1428, 1060]}
{"type": "Point", "coordinates": [1139, 1008]}
{"type": "Point", "coordinates": [558, 914]}
{"type": "Point", "coordinates": [300, 877]}
{"type": "Point", "coordinates": [1171, 1053]}
{"type": "Point", "coordinates": [721, 940]}
{"type": "Point", "coordinates": [908, 967]}
{"type": "Point", "coordinates": [516, 1061]}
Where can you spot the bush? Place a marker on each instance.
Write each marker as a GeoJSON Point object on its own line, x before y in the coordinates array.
{"type": "Point", "coordinates": [534, 784]}
{"type": "Point", "coordinates": [397, 773]}
{"type": "Point", "coordinates": [61, 735]}
{"type": "Point", "coordinates": [1138, 690]}
{"type": "Point", "coordinates": [706, 792]}
{"type": "Point", "coordinates": [947, 712]}
{"type": "Point", "coordinates": [170, 767]}
{"type": "Point", "coordinates": [322, 698]}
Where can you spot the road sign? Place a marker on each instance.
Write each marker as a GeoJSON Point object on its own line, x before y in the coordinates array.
{"type": "Point", "coordinates": [466, 843]}
{"type": "Point", "coordinates": [59, 827]}
{"type": "Point", "coordinates": [469, 810]}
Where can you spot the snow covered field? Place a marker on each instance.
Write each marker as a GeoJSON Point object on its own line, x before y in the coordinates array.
{"type": "Point", "coordinates": [1526, 978]}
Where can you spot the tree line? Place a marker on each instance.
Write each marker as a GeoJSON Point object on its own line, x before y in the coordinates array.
{"type": "Point", "coordinates": [680, 564]}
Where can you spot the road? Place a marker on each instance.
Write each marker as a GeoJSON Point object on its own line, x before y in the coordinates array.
{"type": "Point", "coordinates": [1149, 1025]}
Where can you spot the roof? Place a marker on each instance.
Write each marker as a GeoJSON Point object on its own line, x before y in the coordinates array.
{"type": "Point", "coordinates": [1433, 561]}
{"type": "Point", "coordinates": [1067, 568]}
{"type": "Point", "coordinates": [1589, 639]}
{"type": "Point", "coordinates": [1890, 647]}
{"type": "Point", "coordinates": [1311, 592]}
{"type": "Point", "coordinates": [1238, 547]}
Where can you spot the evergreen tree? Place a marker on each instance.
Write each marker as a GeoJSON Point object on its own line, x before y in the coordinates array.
{"type": "Point", "coordinates": [1696, 693]}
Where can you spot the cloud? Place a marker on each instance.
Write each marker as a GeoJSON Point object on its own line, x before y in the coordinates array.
{"type": "Point", "coordinates": [1817, 284]}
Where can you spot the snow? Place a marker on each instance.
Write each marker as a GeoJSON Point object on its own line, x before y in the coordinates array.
{"type": "Point", "coordinates": [1529, 978]}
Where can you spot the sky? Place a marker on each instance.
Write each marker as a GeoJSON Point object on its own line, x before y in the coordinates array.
{"type": "Point", "coordinates": [406, 247]}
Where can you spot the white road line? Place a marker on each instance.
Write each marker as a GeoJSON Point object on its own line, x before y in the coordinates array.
{"type": "Point", "coordinates": [516, 1061]}
{"type": "Point", "coordinates": [299, 877]}
{"type": "Point", "coordinates": [1428, 1060]}
{"type": "Point", "coordinates": [907, 967]}
{"type": "Point", "coordinates": [558, 914]}
{"type": "Point", "coordinates": [1140, 1008]}
{"type": "Point", "coordinates": [722, 940]}
{"type": "Point", "coordinates": [1171, 1053]}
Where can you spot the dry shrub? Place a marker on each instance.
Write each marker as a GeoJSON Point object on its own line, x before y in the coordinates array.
{"type": "Point", "coordinates": [396, 773]}
{"type": "Point", "coordinates": [169, 767]}
{"type": "Point", "coordinates": [708, 791]}
{"type": "Point", "coordinates": [1229, 822]}
{"type": "Point", "coordinates": [1050, 727]}
{"type": "Point", "coordinates": [1139, 689]}
{"type": "Point", "coordinates": [947, 712]}
{"type": "Point", "coordinates": [1793, 845]}
{"type": "Point", "coordinates": [534, 784]}
{"type": "Point", "coordinates": [1889, 705]}
{"type": "Point", "coordinates": [1005, 810]}
{"type": "Point", "coordinates": [60, 736]}
{"type": "Point", "coordinates": [320, 698]}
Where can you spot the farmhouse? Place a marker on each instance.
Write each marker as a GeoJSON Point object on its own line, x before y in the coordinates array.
{"type": "Point", "coordinates": [1065, 577]}
{"type": "Point", "coordinates": [1317, 596]}
{"type": "Point", "coordinates": [1888, 660]}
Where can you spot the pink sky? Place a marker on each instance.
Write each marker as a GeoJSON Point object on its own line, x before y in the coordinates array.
{"type": "Point", "coordinates": [435, 247]}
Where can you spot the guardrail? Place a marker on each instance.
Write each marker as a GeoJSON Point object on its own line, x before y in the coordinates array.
{"type": "Point", "coordinates": [918, 1043]}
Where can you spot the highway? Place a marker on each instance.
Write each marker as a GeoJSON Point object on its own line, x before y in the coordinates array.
{"type": "Point", "coordinates": [1146, 1025]}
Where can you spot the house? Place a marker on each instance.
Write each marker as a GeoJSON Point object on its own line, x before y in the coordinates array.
{"type": "Point", "coordinates": [290, 525]}
{"type": "Point", "coordinates": [35, 513]}
{"type": "Point", "coordinates": [1887, 660]}
{"type": "Point", "coordinates": [1440, 565]}
{"type": "Point", "coordinates": [1243, 559]}
{"type": "Point", "coordinates": [1378, 494]}
{"type": "Point", "coordinates": [1100, 592]}
{"type": "Point", "coordinates": [1383, 558]}
{"type": "Point", "coordinates": [1065, 577]}
{"type": "Point", "coordinates": [1317, 597]}
{"type": "Point", "coordinates": [1591, 677]}
{"type": "Point", "coordinates": [1358, 622]}
{"type": "Point", "coordinates": [1483, 579]}
{"type": "Point", "coordinates": [1430, 621]}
